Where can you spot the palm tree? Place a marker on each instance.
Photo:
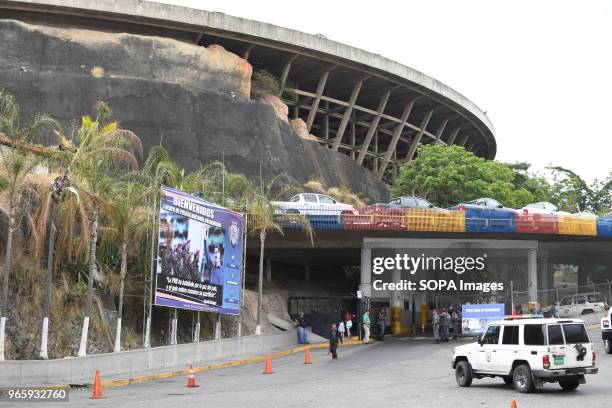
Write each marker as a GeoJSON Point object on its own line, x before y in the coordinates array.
{"type": "Point", "coordinates": [130, 219]}
{"type": "Point", "coordinates": [103, 148]}
{"type": "Point", "coordinates": [158, 169]}
{"type": "Point", "coordinates": [263, 218]}
{"type": "Point", "coordinates": [17, 163]}
{"type": "Point", "coordinates": [49, 216]}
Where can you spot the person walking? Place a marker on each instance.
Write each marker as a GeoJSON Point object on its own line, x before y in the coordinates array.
{"type": "Point", "coordinates": [333, 342]}
{"type": "Point", "coordinates": [349, 326]}
{"type": "Point", "coordinates": [365, 319]}
{"type": "Point", "coordinates": [301, 329]}
{"type": "Point", "coordinates": [382, 323]}
{"type": "Point", "coordinates": [341, 331]}
{"type": "Point", "coordinates": [435, 323]}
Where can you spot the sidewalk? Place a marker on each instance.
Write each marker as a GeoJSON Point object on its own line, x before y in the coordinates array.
{"type": "Point", "coordinates": [146, 376]}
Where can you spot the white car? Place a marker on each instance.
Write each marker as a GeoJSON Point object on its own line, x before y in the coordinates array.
{"type": "Point", "coordinates": [528, 352]}
{"type": "Point", "coordinates": [580, 304]}
{"type": "Point", "coordinates": [312, 204]}
{"type": "Point", "coordinates": [543, 208]}
{"type": "Point", "coordinates": [606, 331]}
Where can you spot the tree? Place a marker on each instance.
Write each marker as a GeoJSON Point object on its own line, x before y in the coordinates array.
{"type": "Point", "coordinates": [263, 219]}
{"type": "Point", "coordinates": [571, 193]}
{"type": "Point", "coordinates": [448, 175]}
{"type": "Point", "coordinates": [102, 149]}
{"type": "Point", "coordinates": [16, 164]}
{"type": "Point", "coordinates": [130, 221]}
{"type": "Point", "coordinates": [536, 184]}
{"type": "Point", "coordinates": [158, 169]}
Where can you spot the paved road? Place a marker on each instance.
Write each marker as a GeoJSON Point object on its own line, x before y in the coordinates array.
{"type": "Point", "coordinates": [395, 373]}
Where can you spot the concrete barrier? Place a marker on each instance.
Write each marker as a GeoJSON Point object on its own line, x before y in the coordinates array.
{"type": "Point", "coordinates": [80, 370]}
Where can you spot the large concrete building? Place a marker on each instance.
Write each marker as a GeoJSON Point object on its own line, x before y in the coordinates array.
{"type": "Point", "coordinates": [371, 108]}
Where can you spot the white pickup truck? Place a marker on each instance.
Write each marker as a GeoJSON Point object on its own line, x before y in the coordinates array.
{"type": "Point", "coordinates": [528, 352]}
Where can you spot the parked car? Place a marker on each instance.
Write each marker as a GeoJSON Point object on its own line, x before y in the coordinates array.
{"type": "Point", "coordinates": [411, 202]}
{"type": "Point", "coordinates": [528, 352]}
{"type": "Point", "coordinates": [580, 304]}
{"type": "Point", "coordinates": [397, 203]}
{"type": "Point", "coordinates": [481, 204]}
{"type": "Point", "coordinates": [312, 204]}
{"type": "Point", "coordinates": [543, 207]}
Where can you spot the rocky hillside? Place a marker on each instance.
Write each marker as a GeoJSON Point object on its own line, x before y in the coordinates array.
{"type": "Point", "coordinates": [193, 100]}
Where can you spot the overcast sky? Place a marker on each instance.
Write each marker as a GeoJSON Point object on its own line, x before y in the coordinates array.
{"type": "Point", "coordinates": [542, 70]}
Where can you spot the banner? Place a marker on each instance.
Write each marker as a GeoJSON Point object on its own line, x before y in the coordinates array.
{"type": "Point", "coordinates": [199, 259]}
{"type": "Point", "coordinates": [476, 318]}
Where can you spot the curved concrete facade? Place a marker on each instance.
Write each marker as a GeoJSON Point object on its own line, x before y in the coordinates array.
{"type": "Point", "coordinates": [374, 109]}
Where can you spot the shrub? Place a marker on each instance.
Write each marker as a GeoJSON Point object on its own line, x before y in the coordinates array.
{"type": "Point", "coordinates": [264, 83]}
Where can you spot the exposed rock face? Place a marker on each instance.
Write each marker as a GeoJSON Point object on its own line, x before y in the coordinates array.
{"type": "Point", "coordinates": [122, 56]}
{"type": "Point", "coordinates": [192, 100]}
{"type": "Point", "coordinates": [300, 129]}
{"type": "Point", "coordinates": [281, 110]}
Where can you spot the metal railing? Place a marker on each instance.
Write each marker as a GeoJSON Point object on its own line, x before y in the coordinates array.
{"type": "Point", "coordinates": [563, 296]}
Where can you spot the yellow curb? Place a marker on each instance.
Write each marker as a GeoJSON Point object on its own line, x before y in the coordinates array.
{"type": "Point", "coordinates": [217, 366]}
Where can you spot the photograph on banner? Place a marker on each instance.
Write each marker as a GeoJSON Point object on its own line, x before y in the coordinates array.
{"type": "Point", "coordinates": [199, 256]}
{"type": "Point", "coordinates": [476, 318]}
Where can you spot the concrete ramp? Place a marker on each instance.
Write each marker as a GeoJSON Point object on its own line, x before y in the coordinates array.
{"type": "Point", "coordinates": [80, 370]}
{"type": "Point", "coordinates": [289, 326]}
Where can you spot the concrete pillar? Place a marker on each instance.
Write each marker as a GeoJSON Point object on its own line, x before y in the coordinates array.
{"type": "Point", "coordinates": [307, 273]}
{"type": "Point", "coordinates": [396, 304]}
{"type": "Point", "coordinates": [373, 129]}
{"type": "Point", "coordinates": [217, 333]}
{"type": "Point", "coordinates": [296, 107]}
{"type": "Point", "coordinates": [420, 305]}
{"type": "Point", "coordinates": [268, 270]}
{"type": "Point", "coordinates": [583, 274]}
{"type": "Point", "coordinates": [532, 274]}
{"type": "Point", "coordinates": [365, 285]}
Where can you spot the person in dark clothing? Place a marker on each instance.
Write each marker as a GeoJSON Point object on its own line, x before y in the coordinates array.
{"type": "Point", "coordinates": [333, 342]}
{"type": "Point", "coordinates": [444, 323]}
{"type": "Point", "coordinates": [382, 323]}
{"type": "Point", "coordinates": [301, 329]}
{"type": "Point", "coordinates": [456, 320]}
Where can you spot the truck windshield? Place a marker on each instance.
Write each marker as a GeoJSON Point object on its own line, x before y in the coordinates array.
{"type": "Point", "coordinates": [575, 333]}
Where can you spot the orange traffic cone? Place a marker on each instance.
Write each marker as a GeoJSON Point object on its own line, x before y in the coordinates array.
{"type": "Point", "coordinates": [97, 393]}
{"type": "Point", "coordinates": [513, 405]}
{"type": "Point", "coordinates": [307, 357]}
{"type": "Point", "coordinates": [268, 365]}
{"type": "Point", "coordinates": [191, 383]}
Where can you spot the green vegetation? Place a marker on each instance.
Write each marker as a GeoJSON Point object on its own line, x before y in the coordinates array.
{"type": "Point", "coordinates": [263, 83]}
{"type": "Point", "coordinates": [569, 191]}
{"type": "Point", "coordinates": [450, 175]}
{"type": "Point", "coordinates": [88, 208]}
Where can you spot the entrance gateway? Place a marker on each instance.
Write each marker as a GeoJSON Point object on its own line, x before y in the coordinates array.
{"type": "Point", "coordinates": [416, 276]}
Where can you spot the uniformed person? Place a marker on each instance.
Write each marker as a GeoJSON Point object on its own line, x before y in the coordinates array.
{"type": "Point", "coordinates": [435, 323]}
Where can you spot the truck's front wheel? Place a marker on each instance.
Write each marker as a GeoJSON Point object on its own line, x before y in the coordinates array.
{"type": "Point", "coordinates": [607, 346]}
{"type": "Point", "coordinates": [523, 381]}
{"type": "Point", "coordinates": [569, 385]}
{"type": "Point", "coordinates": [463, 374]}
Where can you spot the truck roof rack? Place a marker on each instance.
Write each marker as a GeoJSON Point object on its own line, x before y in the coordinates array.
{"type": "Point", "coordinates": [523, 316]}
